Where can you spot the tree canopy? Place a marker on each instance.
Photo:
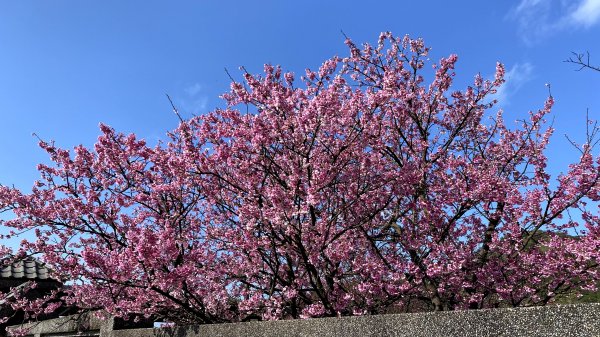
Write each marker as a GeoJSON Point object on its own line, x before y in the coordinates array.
{"type": "Point", "coordinates": [360, 188]}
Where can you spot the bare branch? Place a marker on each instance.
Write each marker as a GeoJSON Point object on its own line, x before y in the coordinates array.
{"type": "Point", "coordinates": [582, 60]}
{"type": "Point", "coordinates": [174, 108]}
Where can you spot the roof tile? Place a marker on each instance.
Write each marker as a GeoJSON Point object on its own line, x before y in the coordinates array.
{"type": "Point", "coordinates": [28, 268]}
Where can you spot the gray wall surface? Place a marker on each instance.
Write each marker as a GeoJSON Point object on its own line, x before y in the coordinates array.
{"type": "Point", "coordinates": [565, 320]}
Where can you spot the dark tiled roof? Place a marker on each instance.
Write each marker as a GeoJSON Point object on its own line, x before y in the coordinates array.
{"type": "Point", "coordinates": [28, 269]}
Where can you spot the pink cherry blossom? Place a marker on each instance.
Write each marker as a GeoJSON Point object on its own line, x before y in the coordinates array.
{"type": "Point", "coordinates": [360, 188]}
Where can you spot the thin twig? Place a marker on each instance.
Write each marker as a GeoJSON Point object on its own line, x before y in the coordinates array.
{"type": "Point", "coordinates": [174, 108]}
{"type": "Point", "coordinates": [582, 60]}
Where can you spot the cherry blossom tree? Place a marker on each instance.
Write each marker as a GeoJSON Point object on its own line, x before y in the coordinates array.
{"type": "Point", "coordinates": [362, 187]}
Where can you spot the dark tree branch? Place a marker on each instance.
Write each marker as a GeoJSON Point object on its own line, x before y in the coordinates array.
{"type": "Point", "coordinates": [582, 60]}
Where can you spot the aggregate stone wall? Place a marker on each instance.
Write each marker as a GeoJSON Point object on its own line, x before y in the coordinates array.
{"type": "Point", "coordinates": [566, 320]}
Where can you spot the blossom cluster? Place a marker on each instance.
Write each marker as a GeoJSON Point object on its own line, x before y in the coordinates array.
{"type": "Point", "coordinates": [359, 188]}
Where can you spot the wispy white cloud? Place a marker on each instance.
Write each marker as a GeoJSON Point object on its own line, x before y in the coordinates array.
{"type": "Point", "coordinates": [527, 5]}
{"type": "Point", "coordinates": [515, 78]}
{"type": "Point", "coordinates": [193, 89]}
{"type": "Point", "coordinates": [587, 13]}
{"type": "Point", "coordinates": [538, 19]}
{"type": "Point", "coordinates": [534, 19]}
{"type": "Point", "coordinates": [194, 101]}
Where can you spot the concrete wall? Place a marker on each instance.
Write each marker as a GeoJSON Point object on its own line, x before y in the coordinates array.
{"type": "Point", "coordinates": [78, 325]}
{"type": "Point", "coordinates": [65, 326]}
{"type": "Point", "coordinates": [567, 320]}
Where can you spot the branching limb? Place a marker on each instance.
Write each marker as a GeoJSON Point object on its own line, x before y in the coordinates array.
{"type": "Point", "coordinates": [582, 60]}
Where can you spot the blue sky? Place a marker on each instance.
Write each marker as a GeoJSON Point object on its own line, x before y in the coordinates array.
{"type": "Point", "coordinates": [66, 66]}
